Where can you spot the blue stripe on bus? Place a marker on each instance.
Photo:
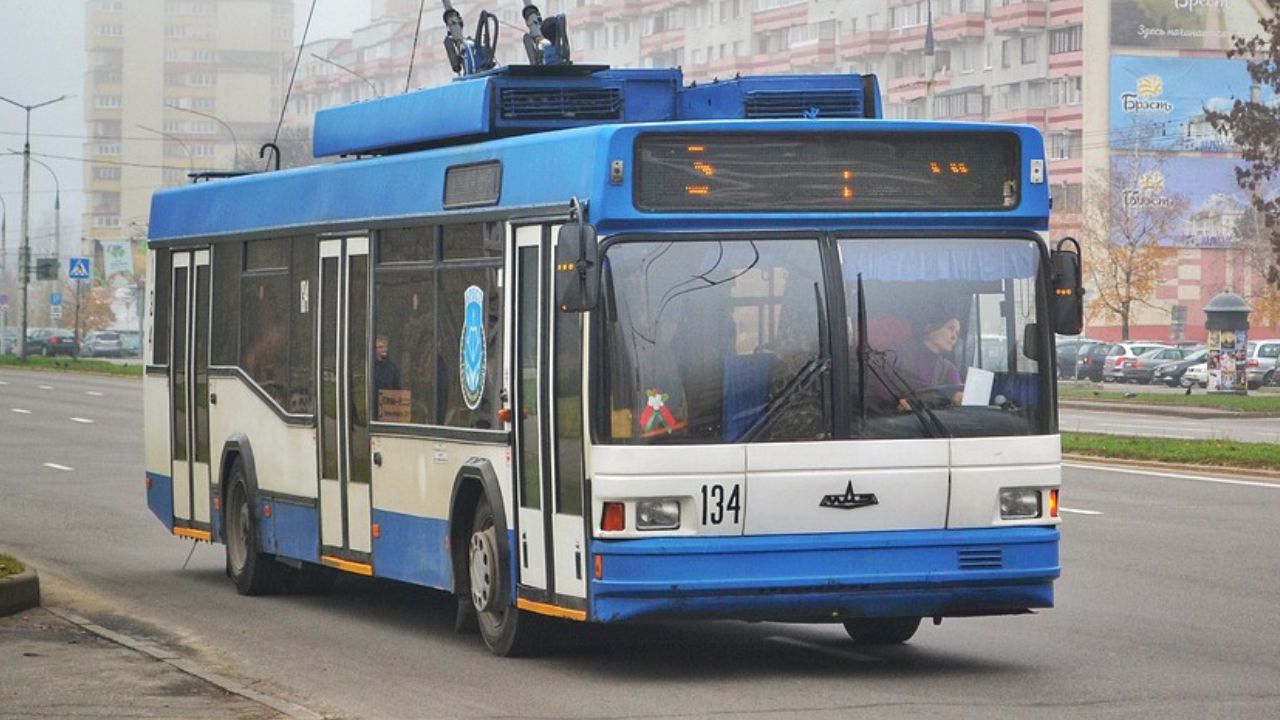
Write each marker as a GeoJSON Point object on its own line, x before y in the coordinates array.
{"type": "Point", "coordinates": [412, 549]}
{"type": "Point", "coordinates": [160, 497]}
{"type": "Point", "coordinates": [292, 530]}
{"type": "Point", "coordinates": [816, 577]}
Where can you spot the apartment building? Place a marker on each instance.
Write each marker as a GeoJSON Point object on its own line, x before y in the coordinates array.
{"type": "Point", "coordinates": [175, 86]}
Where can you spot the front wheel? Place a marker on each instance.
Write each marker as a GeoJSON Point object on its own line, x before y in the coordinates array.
{"type": "Point", "coordinates": [881, 631]}
{"type": "Point", "coordinates": [507, 630]}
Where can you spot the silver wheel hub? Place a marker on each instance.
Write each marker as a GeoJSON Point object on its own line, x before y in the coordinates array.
{"type": "Point", "coordinates": [484, 569]}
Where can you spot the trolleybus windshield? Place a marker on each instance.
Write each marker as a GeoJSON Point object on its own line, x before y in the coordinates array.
{"type": "Point", "coordinates": [738, 340]}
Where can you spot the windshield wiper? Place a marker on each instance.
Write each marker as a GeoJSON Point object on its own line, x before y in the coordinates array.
{"type": "Point", "coordinates": [801, 381]}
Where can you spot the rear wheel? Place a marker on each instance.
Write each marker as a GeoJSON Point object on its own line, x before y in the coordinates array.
{"type": "Point", "coordinates": [507, 630]}
{"type": "Point", "coordinates": [253, 572]}
{"type": "Point", "coordinates": [881, 631]}
{"type": "Point", "coordinates": [1271, 379]}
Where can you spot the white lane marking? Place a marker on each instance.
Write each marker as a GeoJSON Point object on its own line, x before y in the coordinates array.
{"type": "Point", "coordinates": [94, 393]}
{"type": "Point", "coordinates": [56, 466]}
{"type": "Point", "coordinates": [1177, 476]}
{"type": "Point", "coordinates": [45, 387]}
{"type": "Point", "coordinates": [87, 421]}
{"type": "Point", "coordinates": [4, 382]}
{"type": "Point", "coordinates": [21, 411]}
{"type": "Point", "coordinates": [843, 654]}
{"type": "Point", "coordinates": [1078, 512]}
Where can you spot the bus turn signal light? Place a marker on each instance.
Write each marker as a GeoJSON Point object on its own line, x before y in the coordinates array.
{"type": "Point", "coordinates": [1053, 503]}
{"type": "Point", "coordinates": [614, 518]}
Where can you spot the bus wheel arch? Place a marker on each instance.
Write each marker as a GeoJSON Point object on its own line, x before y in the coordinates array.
{"type": "Point", "coordinates": [252, 571]}
{"type": "Point", "coordinates": [475, 480]}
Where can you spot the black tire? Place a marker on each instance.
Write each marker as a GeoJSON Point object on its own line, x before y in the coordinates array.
{"type": "Point", "coordinates": [253, 572]}
{"type": "Point", "coordinates": [507, 630]}
{"type": "Point", "coordinates": [1271, 379]}
{"type": "Point", "coordinates": [881, 631]}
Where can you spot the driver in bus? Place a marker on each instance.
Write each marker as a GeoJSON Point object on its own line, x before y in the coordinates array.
{"type": "Point", "coordinates": [922, 364]}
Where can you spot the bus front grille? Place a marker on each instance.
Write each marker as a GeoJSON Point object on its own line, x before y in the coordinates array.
{"type": "Point", "coordinates": [980, 559]}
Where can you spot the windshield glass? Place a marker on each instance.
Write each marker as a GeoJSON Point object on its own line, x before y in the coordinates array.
{"type": "Point", "coordinates": [731, 341]}
{"type": "Point", "coordinates": [716, 341]}
{"type": "Point", "coordinates": [951, 337]}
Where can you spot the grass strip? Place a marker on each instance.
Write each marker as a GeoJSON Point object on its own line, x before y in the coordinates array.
{"type": "Point", "coordinates": [98, 367]}
{"type": "Point", "coordinates": [1213, 453]}
{"type": "Point", "coordinates": [1268, 403]}
{"type": "Point", "coordinates": [9, 566]}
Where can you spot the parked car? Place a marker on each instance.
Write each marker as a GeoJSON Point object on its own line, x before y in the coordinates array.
{"type": "Point", "coordinates": [1068, 349]}
{"type": "Point", "coordinates": [1197, 374]}
{"type": "Point", "coordinates": [1142, 368]}
{"type": "Point", "coordinates": [131, 343]}
{"type": "Point", "coordinates": [1121, 353]}
{"type": "Point", "coordinates": [102, 343]}
{"type": "Point", "coordinates": [1091, 358]}
{"type": "Point", "coordinates": [1171, 373]}
{"type": "Point", "coordinates": [51, 341]}
{"type": "Point", "coordinates": [1261, 367]}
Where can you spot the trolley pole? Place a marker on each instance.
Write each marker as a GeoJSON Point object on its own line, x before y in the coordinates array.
{"type": "Point", "coordinates": [24, 262]}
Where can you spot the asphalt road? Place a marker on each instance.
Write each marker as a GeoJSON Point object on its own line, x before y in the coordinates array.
{"type": "Point", "coordinates": [1166, 608]}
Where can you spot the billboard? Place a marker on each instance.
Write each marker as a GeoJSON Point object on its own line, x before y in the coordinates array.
{"type": "Point", "coordinates": [1183, 24]}
{"type": "Point", "coordinates": [1159, 103]}
{"type": "Point", "coordinates": [1208, 208]}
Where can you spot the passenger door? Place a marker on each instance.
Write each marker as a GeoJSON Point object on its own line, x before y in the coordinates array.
{"type": "Point", "coordinates": [189, 393]}
{"type": "Point", "coordinates": [343, 393]}
{"type": "Point", "coordinates": [547, 397]}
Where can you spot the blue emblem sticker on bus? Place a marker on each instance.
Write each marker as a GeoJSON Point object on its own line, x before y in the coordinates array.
{"type": "Point", "coordinates": [471, 350]}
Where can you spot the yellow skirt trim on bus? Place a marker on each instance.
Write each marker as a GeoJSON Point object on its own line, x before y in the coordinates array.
{"type": "Point", "coordinates": [552, 610]}
{"type": "Point", "coordinates": [347, 565]}
{"type": "Point", "coordinates": [193, 534]}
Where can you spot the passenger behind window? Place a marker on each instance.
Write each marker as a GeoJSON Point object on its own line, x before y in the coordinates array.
{"type": "Point", "coordinates": [393, 403]}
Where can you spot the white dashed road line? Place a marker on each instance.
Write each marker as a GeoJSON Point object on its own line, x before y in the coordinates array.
{"type": "Point", "coordinates": [45, 387]}
{"type": "Point", "coordinates": [94, 393]}
{"type": "Point", "coordinates": [21, 411]}
{"type": "Point", "coordinates": [87, 421]}
{"type": "Point", "coordinates": [1078, 512]}
{"type": "Point", "coordinates": [56, 466]}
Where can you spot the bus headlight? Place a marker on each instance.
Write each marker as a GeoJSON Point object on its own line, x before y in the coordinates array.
{"type": "Point", "coordinates": [658, 514]}
{"type": "Point", "coordinates": [1019, 503]}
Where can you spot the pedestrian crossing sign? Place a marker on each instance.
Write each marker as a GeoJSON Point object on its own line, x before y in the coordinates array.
{"type": "Point", "coordinates": [78, 268]}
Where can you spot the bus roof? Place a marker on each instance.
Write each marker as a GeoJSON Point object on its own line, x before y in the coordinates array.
{"type": "Point", "coordinates": [539, 170]}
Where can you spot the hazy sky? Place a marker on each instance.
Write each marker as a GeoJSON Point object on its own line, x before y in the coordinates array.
{"type": "Point", "coordinates": [41, 57]}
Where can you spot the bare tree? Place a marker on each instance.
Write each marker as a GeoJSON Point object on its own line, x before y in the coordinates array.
{"type": "Point", "coordinates": [1253, 245]}
{"type": "Point", "coordinates": [1255, 127]}
{"type": "Point", "coordinates": [1124, 223]}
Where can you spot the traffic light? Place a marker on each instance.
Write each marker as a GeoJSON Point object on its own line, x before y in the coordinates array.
{"type": "Point", "coordinates": [46, 268]}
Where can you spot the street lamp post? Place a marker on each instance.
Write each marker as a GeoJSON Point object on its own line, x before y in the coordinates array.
{"type": "Point", "coordinates": [234, 140]}
{"type": "Point", "coordinates": [191, 160]}
{"type": "Point", "coordinates": [57, 207]}
{"type": "Point", "coordinates": [4, 234]}
{"type": "Point", "coordinates": [24, 262]}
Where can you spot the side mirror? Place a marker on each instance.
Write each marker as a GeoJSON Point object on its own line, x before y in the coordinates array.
{"type": "Point", "coordinates": [1067, 308]}
{"type": "Point", "coordinates": [1031, 341]}
{"type": "Point", "coordinates": [577, 267]}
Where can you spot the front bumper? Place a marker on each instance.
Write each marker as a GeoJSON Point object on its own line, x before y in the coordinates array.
{"type": "Point", "coordinates": [827, 577]}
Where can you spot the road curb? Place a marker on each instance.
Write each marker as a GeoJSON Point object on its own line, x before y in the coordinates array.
{"type": "Point", "coordinates": [1239, 473]}
{"type": "Point", "coordinates": [19, 592]}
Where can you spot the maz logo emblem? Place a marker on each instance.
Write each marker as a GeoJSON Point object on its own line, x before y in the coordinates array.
{"type": "Point", "coordinates": [849, 500]}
